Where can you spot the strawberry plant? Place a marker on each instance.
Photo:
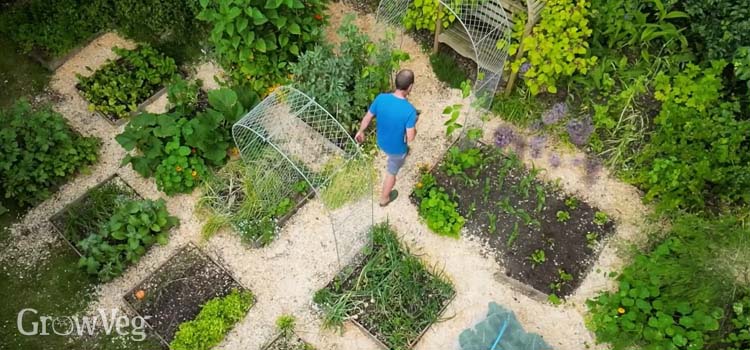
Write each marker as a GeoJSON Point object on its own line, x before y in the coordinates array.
{"type": "Point", "coordinates": [38, 151]}
{"type": "Point", "coordinates": [179, 146]}
{"type": "Point", "coordinates": [256, 39]}
{"type": "Point", "coordinates": [120, 86]}
{"type": "Point", "coordinates": [130, 231]}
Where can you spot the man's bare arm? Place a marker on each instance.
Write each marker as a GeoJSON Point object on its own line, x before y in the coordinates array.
{"type": "Point", "coordinates": [360, 137]}
{"type": "Point", "coordinates": [411, 134]}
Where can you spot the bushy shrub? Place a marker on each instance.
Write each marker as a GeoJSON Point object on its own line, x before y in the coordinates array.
{"type": "Point", "coordinates": [699, 152]}
{"type": "Point", "coordinates": [678, 295]}
{"type": "Point", "coordinates": [717, 27]}
{"type": "Point", "coordinates": [216, 318]}
{"type": "Point", "coordinates": [347, 81]}
{"type": "Point", "coordinates": [257, 39]}
{"type": "Point", "coordinates": [423, 14]}
{"type": "Point", "coordinates": [38, 151]}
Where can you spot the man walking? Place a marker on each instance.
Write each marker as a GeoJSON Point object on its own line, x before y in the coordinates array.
{"type": "Point", "coordinates": [397, 119]}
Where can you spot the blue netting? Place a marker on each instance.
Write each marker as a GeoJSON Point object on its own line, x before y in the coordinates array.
{"type": "Point", "coordinates": [500, 331]}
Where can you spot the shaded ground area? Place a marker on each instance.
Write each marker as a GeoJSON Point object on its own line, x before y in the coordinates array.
{"type": "Point", "coordinates": [19, 75]}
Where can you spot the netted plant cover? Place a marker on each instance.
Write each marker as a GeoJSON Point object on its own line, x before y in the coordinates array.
{"type": "Point", "coordinates": [289, 140]}
{"type": "Point", "coordinates": [472, 26]}
{"type": "Point", "coordinates": [500, 331]}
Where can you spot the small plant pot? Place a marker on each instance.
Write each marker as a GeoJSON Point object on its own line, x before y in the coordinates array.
{"type": "Point", "coordinates": [168, 299]}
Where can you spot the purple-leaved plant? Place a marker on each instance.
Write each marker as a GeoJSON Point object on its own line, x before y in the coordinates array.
{"type": "Point", "coordinates": [524, 68]}
{"type": "Point", "coordinates": [504, 136]}
{"type": "Point", "coordinates": [579, 131]}
{"type": "Point", "coordinates": [537, 146]}
{"type": "Point", "coordinates": [555, 114]}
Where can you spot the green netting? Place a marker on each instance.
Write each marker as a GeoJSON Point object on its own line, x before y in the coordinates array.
{"type": "Point", "coordinates": [500, 331]}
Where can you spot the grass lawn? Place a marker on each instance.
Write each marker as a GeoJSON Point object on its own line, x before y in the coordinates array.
{"type": "Point", "coordinates": [19, 74]}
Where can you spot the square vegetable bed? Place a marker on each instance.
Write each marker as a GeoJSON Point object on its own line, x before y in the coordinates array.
{"type": "Point", "coordinates": [541, 236]}
{"type": "Point", "coordinates": [122, 87]}
{"type": "Point", "coordinates": [88, 213]}
{"type": "Point", "coordinates": [177, 291]}
{"type": "Point", "coordinates": [388, 292]}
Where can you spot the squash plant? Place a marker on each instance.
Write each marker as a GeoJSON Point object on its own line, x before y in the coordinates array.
{"type": "Point", "coordinates": [130, 231]}
{"type": "Point", "coordinates": [38, 151]}
{"type": "Point", "coordinates": [558, 47]}
{"type": "Point", "coordinates": [177, 147]}
{"type": "Point", "coordinates": [120, 86]}
{"type": "Point", "coordinates": [256, 39]}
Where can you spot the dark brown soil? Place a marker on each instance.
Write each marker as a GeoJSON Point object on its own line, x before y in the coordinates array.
{"type": "Point", "coordinates": [363, 7]}
{"type": "Point", "coordinates": [176, 292]}
{"type": "Point", "coordinates": [564, 243]}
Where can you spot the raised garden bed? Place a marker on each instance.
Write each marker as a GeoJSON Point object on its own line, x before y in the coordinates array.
{"type": "Point", "coordinates": [176, 292]}
{"type": "Point", "coordinates": [121, 88]}
{"type": "Point", "coordinates": [87, 213]}
{"type": "Point", "coordinates": [543, 237]}
{"type": "Point", "coordinates": [387, 292]}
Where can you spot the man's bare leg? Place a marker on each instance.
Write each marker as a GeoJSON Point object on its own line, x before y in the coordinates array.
{"type": "Point", "coordinates": [390, 181]}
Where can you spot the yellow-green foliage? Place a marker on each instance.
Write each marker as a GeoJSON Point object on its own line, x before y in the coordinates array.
{"type": "Point", "coordinates": [215, 319]}
{"type": "Point", "coordinates": [423, 14]}
{"type": "Point", "coordinates": [350, 183]}
{"type": "Point", "coordinates": [558, 46]}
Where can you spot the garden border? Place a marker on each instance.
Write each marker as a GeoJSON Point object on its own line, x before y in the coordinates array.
{"type": "Point", "coordinates": [80, 198]}
{"type": "Point", "coordinates": [190, 244]}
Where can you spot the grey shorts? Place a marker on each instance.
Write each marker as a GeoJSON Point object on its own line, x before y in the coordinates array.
{"type": "Point", "coordinates": [395, 162]}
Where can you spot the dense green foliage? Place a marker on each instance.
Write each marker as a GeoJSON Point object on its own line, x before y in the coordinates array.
{"type": "Point", "coordinates": [130, 231]}
{"type": "Point", "coordinates": [437, 208]}
{"type": "Point", "coordinates": [56, 27]}
{"type": "Point", "coordinates": [423, 14]}
{"type": "Point", "coordinates": [39, 151]}
{"type": "Point", "coordinates": [716, 28]}
{"type": "Point", "coordinates": [87, 215]}
{"type": "Point", "coordinates": [346, 80]}
{"type": "Point", "coordinates": [178, 147]}
{"type": "Point", "coordinates": [700, 151]}
{"type": "Point", "coordinates": [215, 320]}
{"type": "Point", "coordinates": [120, 86]}
{"type": "Point", "coordinates": [679, 295]}
{"type": "Point", "coordinates": [256, 40]}
{"type": "Point", "coordinates": [404, 296]}
{"type": "Point", "coordinates": [447, 70]}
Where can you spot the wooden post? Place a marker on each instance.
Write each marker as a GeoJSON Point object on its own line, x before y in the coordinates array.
{"type": "Point", "coordinates": [438, 28]}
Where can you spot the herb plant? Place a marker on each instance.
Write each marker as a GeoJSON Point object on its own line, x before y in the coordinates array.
{"type": "Point", "coordinates": [130, 231]}
{"type": "Point", "coordinates": [38, 152]}
{"type": "Point", "coordinates": [120, 86]}
{"type": "Point", "coordinates": [214, 321]}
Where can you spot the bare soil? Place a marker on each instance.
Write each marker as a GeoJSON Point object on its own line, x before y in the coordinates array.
{"type": "Point", "coordinates": [176, 292]}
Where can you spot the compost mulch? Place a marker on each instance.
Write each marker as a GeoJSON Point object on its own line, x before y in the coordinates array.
{"type": "Point", "coordinates": [176, 292]}
{"type": "Point", "coordinates": [564, 243]}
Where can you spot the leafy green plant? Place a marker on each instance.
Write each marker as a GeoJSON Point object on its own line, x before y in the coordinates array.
{"type": "Point", "coordinates": [457, 162]}
{"type": "Point", "coordinates": [437, 208]}
{"type": "Point", "coordinates": [423, 14]}
{"type": "Point", "coordinates": [213, 322]}
{"type": "Point", "coordinates": [130, 231]}
{"type": "Point", "coordinates": [601, 218]}
{"type": "Point", "coordinates": [393, 292]}
{"type": "Point", "coordinates": [561, 21]}
{"type": "Point", "coordinates": [716, 28]}
{"type": "Point", "coordinates": [179, 146]}
{"type": "Point", "coordinates": [38, 152]}
{"type": "Point", "coordinates": [513, 235]}
{"type": "Point", "coordinates": [120, 86]}
{"type": "Point", "coordinates": [699, 151]}
{"type": "Point", "coordinates": [592, 239]}
{"type": "Point", "coordinates": [538, 257]}
{"type": "Point", "coordinates": [447, 69]}
{"type": "Point", "coordinates": [660, 304]}
{"type": "Point", "coordinates": [257, 39]}
{"type": "Point", "coordinates": [563, 278]}
{"type": "Point", "coordinates": [345, 81]}
{"type": "Point", "coordinates": [571, 203]}
{"type": "Point", "coordinates": [739, 337]}
{"type": "Point", "coordinates": [453, 112]}
{"type": "Point", "coordinates": [562, 216]}
{"type": "Point", "coordinates": [474, 134]}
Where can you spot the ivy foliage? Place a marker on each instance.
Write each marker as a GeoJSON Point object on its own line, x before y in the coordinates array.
{"type": "Point", "coordinates": [257, 39]}
{"type": "Point", "coordinates": [346, 80]}
{"type": "Point", "coordinates": [699, 153]}
{"type": "Point", "coordinates": [558, 46]}
{"type": "Point", "coordinates": [214, 321]}
{"type": "Point", "coordinates": [178, 147]}
{"type": "Point", "coordinates": [658, 305]}
{"type": "Point", "coordinates": [38, 152]}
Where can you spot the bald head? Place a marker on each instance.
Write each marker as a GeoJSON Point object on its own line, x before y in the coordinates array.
{"type": "Point", "coordinates": [404, 79]}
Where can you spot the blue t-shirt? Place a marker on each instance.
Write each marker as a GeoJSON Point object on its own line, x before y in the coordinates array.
{"type": "Point", "coordinates": [394, 115]}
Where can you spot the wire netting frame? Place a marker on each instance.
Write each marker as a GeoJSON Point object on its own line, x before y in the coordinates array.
{"type": "Point", "coordinates": [472, 17]}
{"type": "Point", "coordinates": [287, 138]}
